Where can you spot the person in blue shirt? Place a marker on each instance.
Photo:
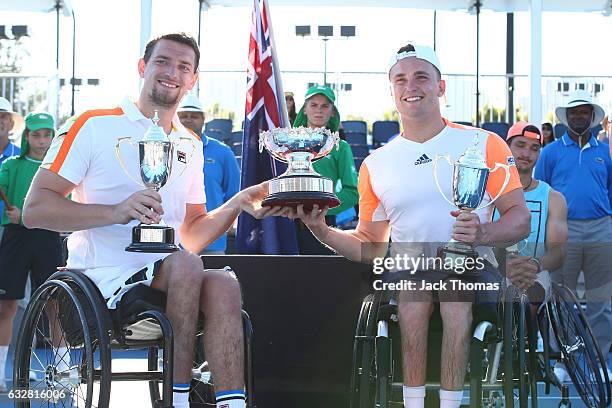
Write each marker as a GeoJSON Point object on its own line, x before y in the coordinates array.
{"type": "Point", "coordinates": [579, 167]}
{"type": "Point", "coordinates": [9, 121]}
{"type": "Point", "coordinates": [221, 172]}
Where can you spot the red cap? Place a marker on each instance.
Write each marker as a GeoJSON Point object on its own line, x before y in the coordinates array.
{"type": "Point", "coordinates": [525, 129]}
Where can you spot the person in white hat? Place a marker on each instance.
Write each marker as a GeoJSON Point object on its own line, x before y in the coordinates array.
{"type": "Point", "coordinates": [221, 172]}
{"type": "Point", "coordinates": [579, 167]}
{"type": "Point", "coordinates": [398, 199]}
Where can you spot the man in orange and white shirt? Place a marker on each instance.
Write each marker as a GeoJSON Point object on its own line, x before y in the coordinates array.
{"type": "Point", "coordinates": [399, 199]}
{"type": "Point", "coordinates": [107, 204]}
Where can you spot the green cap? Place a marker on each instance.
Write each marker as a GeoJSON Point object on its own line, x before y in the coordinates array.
{"type": "Point", "coordinates": [334, 122]}
{"type": "Point", "coordinates": [39, 120]}
{"type": "Point", "coordinates": [322, 90]}
{"type": "Point", "coordinates": [35, 121]}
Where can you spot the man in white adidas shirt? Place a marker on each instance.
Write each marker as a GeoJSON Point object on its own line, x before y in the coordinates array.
{"type": "Point", "coordinates": [399, 198]}
{"type": "Point", "coordinates": [107, 204]}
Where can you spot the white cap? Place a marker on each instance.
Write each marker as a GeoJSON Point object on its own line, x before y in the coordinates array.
{"type": "Point", "coordinates": [5, 106]}
{"type": "Point", "coordinates": [577, 98]}
{"type": "Point", "coordinates": [190, 103]}
{"type": "Point", "coordinates": [417, 51]}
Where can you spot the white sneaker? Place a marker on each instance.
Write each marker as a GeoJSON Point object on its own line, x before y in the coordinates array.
{"type": "Point", "coordinates": [561, 372]}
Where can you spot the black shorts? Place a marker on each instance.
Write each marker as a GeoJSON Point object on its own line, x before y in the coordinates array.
{"type": "Point", "coordinates": [25, 250]}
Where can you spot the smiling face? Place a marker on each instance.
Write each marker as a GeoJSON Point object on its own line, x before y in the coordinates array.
{"type": "Point", "coordinates": [526, 152]}
{"type": "Point", "coordinates": [416, 87]}
{"type": "Point", "coordinates": [169, 74]}
{"type": "Point", "coordinates": [319, 110]}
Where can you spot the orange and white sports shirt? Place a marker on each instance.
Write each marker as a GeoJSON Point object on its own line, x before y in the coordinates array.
{"type": "Point", "coordinates": [86, 156]}
{"type": "Point", "coordinates": [396, 183]}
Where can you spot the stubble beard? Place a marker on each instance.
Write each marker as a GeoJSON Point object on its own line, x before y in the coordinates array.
{"type": "Point", "coordinates": [163, 99]}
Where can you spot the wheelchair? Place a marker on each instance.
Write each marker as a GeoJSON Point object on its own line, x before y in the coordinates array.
{"type": "Point", "coordinates": [504, 364]}
{"type": "Point", "coordinates": [69, 303]}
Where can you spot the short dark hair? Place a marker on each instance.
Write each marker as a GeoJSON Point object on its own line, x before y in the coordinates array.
{"type": "Point", "coordinates": [181, 38]}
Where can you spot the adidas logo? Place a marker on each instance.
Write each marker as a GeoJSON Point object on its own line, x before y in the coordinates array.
{"type": "Point", "coordinates": [422, 160]}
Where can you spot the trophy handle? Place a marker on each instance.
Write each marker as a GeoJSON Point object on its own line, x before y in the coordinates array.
{"type": "Point", "coordinates": [118, 153]}
{"type": "Point", "coordinates": [193, 147]}
{"type": "Point", "coordinates": [435, 173]}
{"type": "Point", "coordinates": [497, 167]}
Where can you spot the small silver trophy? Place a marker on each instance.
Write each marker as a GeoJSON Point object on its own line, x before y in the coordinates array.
{"type": "Point", "coordinates": [156, 154]}
{"type": "Point", "coordinates": [300, 184]}
{"type": "Point", "coordinates": [470, 176]}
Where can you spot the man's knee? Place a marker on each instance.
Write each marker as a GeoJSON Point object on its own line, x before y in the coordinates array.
{"type": "Point", "coordinates": [417, 311]}
{"type": "Point", "coordinates": [221, 286]}
{"type": "Point", "coordinates": [456, 314]}
{"type": "Point", "coordinates": [183, 265]}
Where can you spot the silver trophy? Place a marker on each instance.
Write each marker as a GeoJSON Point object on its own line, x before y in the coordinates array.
{"type": "Point", "coordinates": [156, 154]}
{"type": "Point", "coordinates": [470, 176]}
{"type": "Point", "coordinates": [300, 184]}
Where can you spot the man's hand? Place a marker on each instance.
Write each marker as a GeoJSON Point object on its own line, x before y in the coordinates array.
{"type": "Point", "coordinates": [14, 214]}
{"type": "Point", "coordinates": [466, 227]}
{"type": "Point", "coordinates": [521, 270]}
{"type": "Point", "coordinates": [144, 206]}
{"type": "Point", "coordinates": [314, 219]}
{"type": "Point", "coordinates": [250, 202]}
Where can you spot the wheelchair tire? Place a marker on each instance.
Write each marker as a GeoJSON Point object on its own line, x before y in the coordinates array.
{"type": "Point", "coordinates": [363, 387]}
{"type": "Point", "coordinates": [78, 382]}
{"type": "Point", "coordinates": [579, 349]}
{"type": "Point", "coordinates": [521, 334]}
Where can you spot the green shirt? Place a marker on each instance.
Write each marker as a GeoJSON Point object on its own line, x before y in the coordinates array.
{"type": "Point", "coordinates": [339, 166]}
{"type": "Point", "coordinates": [16, 175]}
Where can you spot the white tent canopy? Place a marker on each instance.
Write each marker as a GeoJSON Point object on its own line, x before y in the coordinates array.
{"type": "Point", "coordinates": [495, 5]}
{"type": "Point", "coordinates": [44, 6]}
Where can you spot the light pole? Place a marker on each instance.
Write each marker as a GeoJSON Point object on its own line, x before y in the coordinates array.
{"type": "Point", "coordinates": [325, 33]}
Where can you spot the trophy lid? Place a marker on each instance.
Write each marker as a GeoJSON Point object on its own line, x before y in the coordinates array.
{"type": "Point", "coordinates": [155, 133]}
{"type": "Point", "coordinates": [473, 156]}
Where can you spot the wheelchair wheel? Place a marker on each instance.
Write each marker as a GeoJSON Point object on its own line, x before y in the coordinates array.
{"type": "Point", "coordinates": [579, 349]}
{"type": "Point", "coordinates": [509, 324]}
{"type": "Point", "coordinates": [59, 314]}
{"type": "Point", "coordinates": [363, 387]}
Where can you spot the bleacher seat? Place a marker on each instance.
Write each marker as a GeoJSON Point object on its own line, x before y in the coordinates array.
{"type": "Point", "coordinates": [220, 129]}
{"type": "Point", "coordinates": [360, 151]}
{"type": "Point", "coordinates": [356, 139]}
{"type": "Point", "coordinates": [355, 126]}
{"type": "Point", "coordinates": [382, 130]}
{"type": "Point", "coordinates": [499, 128]}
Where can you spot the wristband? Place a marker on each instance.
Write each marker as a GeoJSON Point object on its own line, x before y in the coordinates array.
{"type": "Point", "coordinates": [537, 262]}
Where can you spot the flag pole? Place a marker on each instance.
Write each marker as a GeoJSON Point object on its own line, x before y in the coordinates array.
{"type": "Point", "coordinates": [282, 104]}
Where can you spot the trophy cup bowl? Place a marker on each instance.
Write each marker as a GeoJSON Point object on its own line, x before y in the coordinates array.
{"type": "Point", "coordinates": [300, 184]}
{"type": "Point", "coordinates": [156, 153]}
{"type": "Point", "coordinates": [470, 176]}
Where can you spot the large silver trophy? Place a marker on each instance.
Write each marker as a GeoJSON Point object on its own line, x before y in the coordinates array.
{"type": "Point", "coordinates": [156, 154]}
{"type": "Point", "coordinates": [470, 176]}
{"type": "Point", "coordinates": [300, 184]}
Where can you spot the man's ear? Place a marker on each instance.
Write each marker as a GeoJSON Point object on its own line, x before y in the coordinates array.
{"type": "Point", "coordinates": [441, 88]}
{"type": "Point", "coordinates": [141, 67]}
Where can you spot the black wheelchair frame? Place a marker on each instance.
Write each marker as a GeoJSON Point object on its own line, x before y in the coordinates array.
{"type": "Point", "coordinates": [509, 343]}
{"type": "Point", "coordinates": [89, 325]}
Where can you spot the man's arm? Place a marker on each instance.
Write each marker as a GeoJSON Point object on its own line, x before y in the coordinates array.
{"type": "Point", "coordinates": [370, 239]}
{"type": "Point", "coordinates": [47, 207]}
{"type": "Point", "coordinates": [556, 232]}
{"type": "Point", "coordinates": [200, 228]}
{"type": "Point", "coordinates": [513, 224]}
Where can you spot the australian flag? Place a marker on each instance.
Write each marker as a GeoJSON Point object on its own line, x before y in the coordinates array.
{"type": "Point", "coordinates": [265, 109]}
